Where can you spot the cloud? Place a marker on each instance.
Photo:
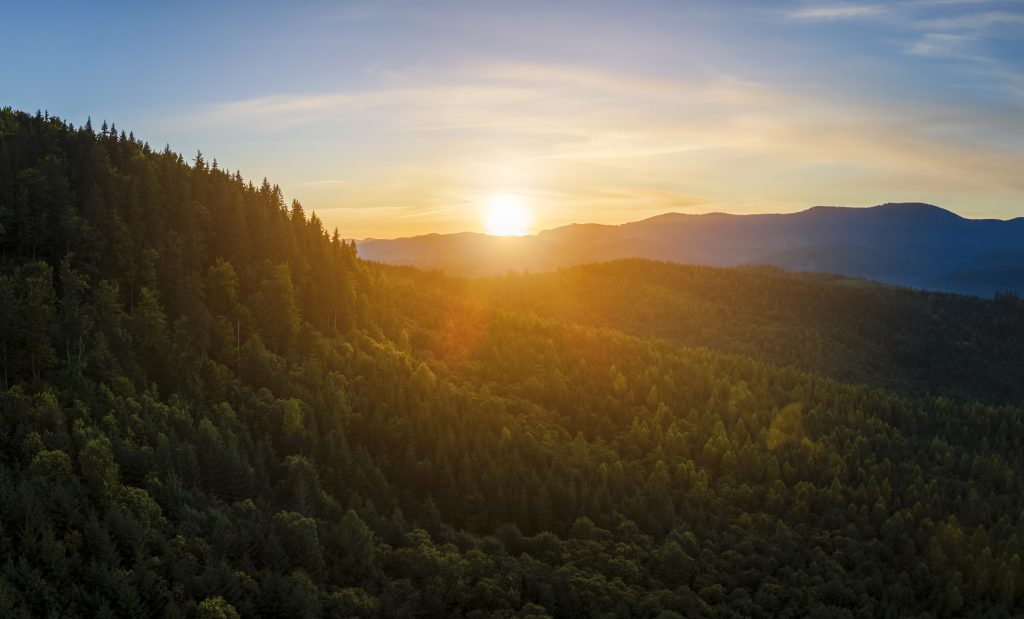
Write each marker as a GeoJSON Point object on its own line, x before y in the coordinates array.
{"type": "Point", "coordinates": [942, 44]}
{"type": "Point", "coordinates": [837, 12]}
{"type": "Point", "coordinates": [962, 37]}
{"type": "Point", "coordinates": [411, 108]}
{"type": "Point", "coordinates": [975, 21]}
{"type": "Point", "coordinates": [957, 2]}
{"type": "Point", "coordinates": [619, 145]}
{"type": "Point", "coordinates": [329, 182]}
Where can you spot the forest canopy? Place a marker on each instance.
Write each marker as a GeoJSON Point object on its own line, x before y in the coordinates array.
{"type": "Point", "coordinates": [211, 407]}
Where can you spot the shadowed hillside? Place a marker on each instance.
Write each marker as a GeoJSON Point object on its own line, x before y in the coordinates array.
{"type": "Point", "coordinates": [850, 329]}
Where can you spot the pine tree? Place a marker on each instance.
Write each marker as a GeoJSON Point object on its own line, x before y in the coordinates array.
{"type": "Point", "coordinates": [277, 309]}
{"type": "Point", "coordinates": [35, 318]}
{"type": "Point", "coordinates": [76, 323]}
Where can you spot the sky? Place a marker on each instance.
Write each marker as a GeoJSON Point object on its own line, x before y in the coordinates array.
{"type": "Point", "coordinates": [401, 118]}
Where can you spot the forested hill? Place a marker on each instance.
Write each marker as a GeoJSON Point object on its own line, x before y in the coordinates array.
{"type": "Point", "coordinates": [211, 407]}
{"type": "Point", "coordinates": [853, 330]}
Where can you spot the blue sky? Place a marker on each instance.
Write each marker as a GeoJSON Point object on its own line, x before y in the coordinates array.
{"type": "Point", "coordinates": [395, 118]}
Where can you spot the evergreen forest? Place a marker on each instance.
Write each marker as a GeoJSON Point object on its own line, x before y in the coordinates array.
{"type": "Point", "coordinates": [211, 407]}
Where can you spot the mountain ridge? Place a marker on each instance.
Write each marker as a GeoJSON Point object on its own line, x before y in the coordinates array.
{"type": "Point", "coordinates": [677, 214]}
{"type": "Point", "coordinates": [913, 244]}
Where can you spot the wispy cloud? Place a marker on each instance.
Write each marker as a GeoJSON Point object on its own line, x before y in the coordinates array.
{"type": "Point", "coordinates": [953, 28]}
{"type": "Point", "coordinates": [975, 21]}
{"type": "Point", "coordinates": [945, 3]}
{"type": "Point", "coordinates": [967, 37]}
{"type": "Point", "coordinates": [624, 145]}
{"type": "Point", "coordinates": [329, 182]}
{"type": "Point", "coordinates": [837, 12]}
{"type": "Point", "coordinates": [942, 44]}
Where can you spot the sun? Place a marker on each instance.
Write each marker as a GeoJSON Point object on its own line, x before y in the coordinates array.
{"type": "Point", "coordinates": [506, 214]}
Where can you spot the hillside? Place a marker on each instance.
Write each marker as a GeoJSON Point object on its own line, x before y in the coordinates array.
{"type": "Point", "coordinates": [848, 329]}
{"type": "Point", "coordinates": [212, 407]}
{"type": "Point", "coordinates": [916, 245]}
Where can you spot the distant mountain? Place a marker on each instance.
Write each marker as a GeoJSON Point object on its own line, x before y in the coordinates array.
{"type": "Point", "coordinates": [910, 244]}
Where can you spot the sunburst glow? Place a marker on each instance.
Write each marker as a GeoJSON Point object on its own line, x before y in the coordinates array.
{"type": "Point", "coordinates": [506, 215]}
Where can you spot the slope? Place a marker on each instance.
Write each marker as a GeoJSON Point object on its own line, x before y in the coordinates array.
{"type": "Point", "coordinates": [210, 407]}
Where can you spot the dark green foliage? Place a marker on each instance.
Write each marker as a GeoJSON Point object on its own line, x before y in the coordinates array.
{"type": "Point", "coordinates": [212, 408]}
{"type": "Point", "coordinates": [853, 330]}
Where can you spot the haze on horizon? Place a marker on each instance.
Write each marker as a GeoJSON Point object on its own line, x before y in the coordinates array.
{"type": "Point", "coordinates": [398, 118]}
